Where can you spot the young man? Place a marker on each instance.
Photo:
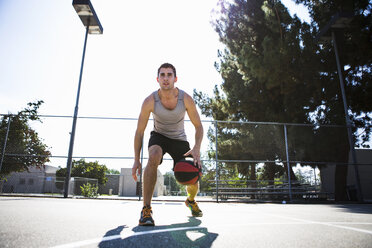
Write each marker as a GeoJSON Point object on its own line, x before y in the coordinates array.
{"type": "Point", "coordinates": [168, 105]}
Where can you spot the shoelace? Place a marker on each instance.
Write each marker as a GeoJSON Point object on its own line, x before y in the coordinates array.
{"type": "Point", "coordinates": [146, 212]}
{"type": "Point", "coordinates": [194, 206]}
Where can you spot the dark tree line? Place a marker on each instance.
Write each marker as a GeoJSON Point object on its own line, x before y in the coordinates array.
{"type": "Point", "coordinates": [274, 70]}
{"type": "Point", "coordinates": [24, 145]}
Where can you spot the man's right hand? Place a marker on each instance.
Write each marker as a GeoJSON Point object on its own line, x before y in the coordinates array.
{"type": "Point", "coordinates": [137, 167]}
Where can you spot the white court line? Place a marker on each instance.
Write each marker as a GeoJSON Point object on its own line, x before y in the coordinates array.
{"type": "Point", "coordinates": [132, 234]}
{"type": "Point", "coordinates": [123, 236]}
{"type": "Point", "coordinates": [303, 222]}
{"type": "Point", "coordinates": [351, 223]}
{"type": "Point", "coordinates": [332, 224]}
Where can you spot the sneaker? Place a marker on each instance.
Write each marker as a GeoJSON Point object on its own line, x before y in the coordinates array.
{"type": "Point", "coordinates": [195, 210]}
{"type": "Point", "coordinates": [146, 217]}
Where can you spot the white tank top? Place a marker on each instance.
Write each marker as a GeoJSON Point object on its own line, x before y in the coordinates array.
{"type": "Point", "coordinates": [170, 123]}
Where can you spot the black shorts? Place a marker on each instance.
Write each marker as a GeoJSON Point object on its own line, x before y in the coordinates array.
{"type": "Point", "coordinates": [175, 148]}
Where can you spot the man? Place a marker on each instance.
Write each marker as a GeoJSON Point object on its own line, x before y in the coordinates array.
{"type": "Point", "coordinates": [168, 105]}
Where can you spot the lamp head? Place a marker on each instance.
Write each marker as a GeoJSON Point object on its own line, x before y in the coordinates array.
{"type": "Point", "coordinates": [88, 16]}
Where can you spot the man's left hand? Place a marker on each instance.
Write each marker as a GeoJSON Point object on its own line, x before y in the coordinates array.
{"type": "Point", "coordinates": [195, 153]}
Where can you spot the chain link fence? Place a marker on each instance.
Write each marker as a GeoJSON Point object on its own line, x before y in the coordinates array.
{"type": "Point", "coordinates": [34, 184]}
{"type": "Point", "coordinates": [241, 160]}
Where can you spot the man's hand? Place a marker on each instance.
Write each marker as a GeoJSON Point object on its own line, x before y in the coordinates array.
{"type": "Point", "coordinates": [137, 167]}
{"type": "Point", "coordinates": [195, 153]}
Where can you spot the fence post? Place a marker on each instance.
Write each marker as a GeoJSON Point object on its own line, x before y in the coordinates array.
{"type": "Point", "coordinates": [287, 158]}
{"type": "Point", "coordinates": [217, 169]}
{"type": "Point", "coordinates": [5, 141]}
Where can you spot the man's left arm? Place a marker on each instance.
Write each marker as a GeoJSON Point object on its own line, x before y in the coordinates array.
{"type": "Point", "coordinates": [195, 119]}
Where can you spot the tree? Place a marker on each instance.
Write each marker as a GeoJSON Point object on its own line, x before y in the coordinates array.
{"type": "Point", "coordinates": [113, 172]}
{"type": "Point", "coordinates": [81, 168]}
{"type": "Point", "coordinates": [207, 184]}
{"type": "Point", "coordinates": [274, 70]}
{"type": "Point", "coordinates": [354, 46]}
{"type": "Point", "coordinates": [262, 79]}
{"type": "Point", "coordinates": [170, 182]}
{"type": "Point", "coordinates": [24, 147]}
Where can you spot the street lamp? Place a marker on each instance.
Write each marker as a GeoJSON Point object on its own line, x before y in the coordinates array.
{"type": "Point", "coordinates": [338, 22]}
{"type": "Point", "coordinates": [89, 18]}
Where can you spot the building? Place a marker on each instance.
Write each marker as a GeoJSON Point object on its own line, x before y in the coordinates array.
{"type": "Point", "coordinates": [41, 181]}
{"type": "Point", "coordinates": [36, 180]}
{"type": "Point", "coordinates": [128, 187]}
{"type": "Point", "coordinates": [112, 185]}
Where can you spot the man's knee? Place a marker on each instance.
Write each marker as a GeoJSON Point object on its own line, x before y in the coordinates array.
{"type": "Point", "coordinates": [155, 155]}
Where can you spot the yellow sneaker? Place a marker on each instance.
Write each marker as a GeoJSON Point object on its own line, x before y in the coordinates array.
{"type": "Point", "coordinates": [193, 206]}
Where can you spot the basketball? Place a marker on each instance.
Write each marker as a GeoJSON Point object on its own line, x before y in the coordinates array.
{"type": "Point", "coordinates": [186, 172]}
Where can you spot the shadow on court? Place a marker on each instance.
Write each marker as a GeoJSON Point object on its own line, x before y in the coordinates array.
{"type": "Point", "coordinates": [188, 234]}
{"type": "Point", "coordinates": [355, 208]}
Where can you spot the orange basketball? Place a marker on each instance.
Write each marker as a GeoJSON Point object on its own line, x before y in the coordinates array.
{"type": "Point", "coordinates": [186, 172]}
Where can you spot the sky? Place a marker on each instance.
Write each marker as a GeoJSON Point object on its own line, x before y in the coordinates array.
{"type": "Point", "coordinates": [40, 58]}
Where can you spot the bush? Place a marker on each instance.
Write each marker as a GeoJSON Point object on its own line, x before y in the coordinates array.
{"type": "Point", "coordinates": [89, 190]}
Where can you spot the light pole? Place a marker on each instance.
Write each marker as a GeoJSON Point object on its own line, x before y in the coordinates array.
{"type": "Point", "coordinates": [338, 22]}
{"type": "Point", "coordinates": [5, 141]}
{"type": "Point", "coordinates": [89, 18]}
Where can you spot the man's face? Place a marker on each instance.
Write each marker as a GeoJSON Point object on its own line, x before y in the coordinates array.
{"type": "Point", "coordinates": [166, 78]}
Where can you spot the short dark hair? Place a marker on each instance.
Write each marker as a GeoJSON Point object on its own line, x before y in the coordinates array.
{"type": "Point", "coordinates": [167, 65]}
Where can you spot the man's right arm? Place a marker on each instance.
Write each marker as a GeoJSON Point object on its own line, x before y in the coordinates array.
{"type": "Point", "coordinates": [146, 109]}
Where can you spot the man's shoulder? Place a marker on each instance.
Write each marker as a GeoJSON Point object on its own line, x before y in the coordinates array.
{"type": "Point", "coordinates": [183, 93]}
{"type": "Point", "coordinates": [149, 101]}
{"type": "Point", "coordinates": [187, 97]}
{"type": "Point", "coordinates": [150, 97]}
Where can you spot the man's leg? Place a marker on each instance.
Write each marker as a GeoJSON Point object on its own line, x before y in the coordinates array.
{"type": "Point", "coordinates": [192, 190]}
{"type": "Point", "coordinates": [150, 174]}
{"type": "Point", "coordinates": [190, 202]}
{"type": "Point", "coordinates": [149, 181]}
{"type": "Point", "coordinates": [177, 149]}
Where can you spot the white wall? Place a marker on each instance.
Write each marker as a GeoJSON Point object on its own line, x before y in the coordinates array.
{"type": "Point", "coordinates": [127, 186]}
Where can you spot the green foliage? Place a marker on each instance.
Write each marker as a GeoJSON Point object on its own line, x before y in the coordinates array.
{"type": "Point", "coordinates": [262, 66]}
{"type": "Point", "coordinates": [274, 70]}
{"type": "Point", "coordinates": [113, 172]}
{"type": "Point", "coordinates": [171, 183]}
{"type": "Point", "coordinates": [354, 46]}
{"type": "Point", "coordinates": [89, 190]}
{"type": "Point", "coordinates": [263, 80]}
{"type": "Point", "coordinates": [81, 168]}
{"type": "Point", "coordinates": [209, 175]}
{"type": "Point", "coordinates": [23, 142]}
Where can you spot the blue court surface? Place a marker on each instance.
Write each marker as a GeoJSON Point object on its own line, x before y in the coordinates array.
{"type": "Point", "coordinates": [52, 222]}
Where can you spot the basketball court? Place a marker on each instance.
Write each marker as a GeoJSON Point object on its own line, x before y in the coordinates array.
{"type": "Point", "coordinates": [51, 222]}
